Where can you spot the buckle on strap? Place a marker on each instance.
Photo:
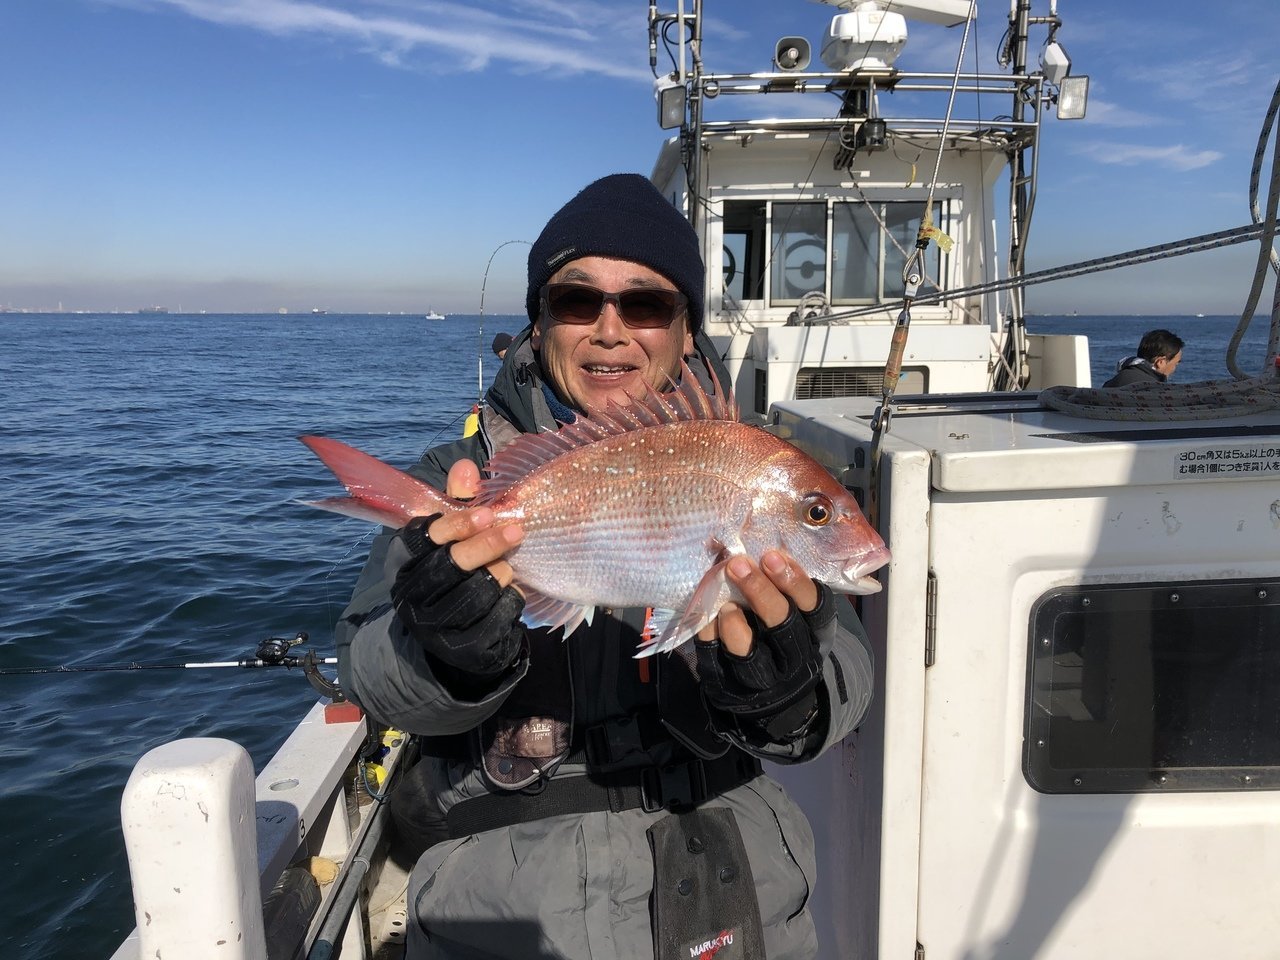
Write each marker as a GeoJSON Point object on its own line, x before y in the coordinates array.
{"type": "Point", "coordinates": [615, 740]}
{"type": "Point", "coordinates": [674, 786]}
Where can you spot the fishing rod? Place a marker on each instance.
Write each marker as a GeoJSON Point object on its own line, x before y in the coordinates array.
{"type": "Point", "coordinates": [271, 652]}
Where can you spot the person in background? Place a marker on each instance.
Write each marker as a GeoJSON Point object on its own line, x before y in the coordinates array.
{"type": "Point", "coordinates": [1159, 354]}
{"type": "Point", "coordinates": [500, 344]}
{"type": "Point", "coordinates": [570, 800]}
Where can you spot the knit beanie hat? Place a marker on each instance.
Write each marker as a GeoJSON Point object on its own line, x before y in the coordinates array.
{"type": "Point", "coordinates": [624, 216]}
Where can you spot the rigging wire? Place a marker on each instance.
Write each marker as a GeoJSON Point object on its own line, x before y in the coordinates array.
{"type": "Point", "coordinates": [912, 273]}
{"type": "Point", "coordinates": [1175, 248]}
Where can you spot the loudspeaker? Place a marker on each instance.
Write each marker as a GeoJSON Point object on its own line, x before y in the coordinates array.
{"type": "Point", "coordinates": [791, 53]}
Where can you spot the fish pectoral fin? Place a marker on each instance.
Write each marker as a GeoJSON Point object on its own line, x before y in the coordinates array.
{"type": "Point", "coordinates": [729, 542]}
{"type": "Point", "coordinates": [544, 611]}
{"type": "Point", "coordinates": [702, 607]}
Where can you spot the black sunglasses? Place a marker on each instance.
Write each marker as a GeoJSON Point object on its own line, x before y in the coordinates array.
{"type": "Point", "coordinates": [640, 307]}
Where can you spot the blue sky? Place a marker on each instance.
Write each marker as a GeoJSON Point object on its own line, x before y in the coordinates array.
{"type": "Point", "coordinates": [252, 155]}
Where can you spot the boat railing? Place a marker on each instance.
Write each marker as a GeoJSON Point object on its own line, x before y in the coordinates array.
{"type": "Point", "coordinates": [1029, 87]}
{"type": "Point", "coordinates": [207, 842]}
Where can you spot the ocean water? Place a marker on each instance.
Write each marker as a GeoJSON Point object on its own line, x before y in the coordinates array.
{"type": "Point", "coordinates": [1204, 355]}
{"type": "Point", "coordinates": [150, 472]}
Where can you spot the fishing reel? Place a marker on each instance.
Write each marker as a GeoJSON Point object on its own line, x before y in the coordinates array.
{"type": "Point", "coordinates": [274, 652]}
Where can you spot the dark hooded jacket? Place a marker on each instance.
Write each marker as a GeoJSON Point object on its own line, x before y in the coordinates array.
{"type": "Point", "coordinates": [579, 884]}
{"type": "Point", "coordinates": [1133, 370]}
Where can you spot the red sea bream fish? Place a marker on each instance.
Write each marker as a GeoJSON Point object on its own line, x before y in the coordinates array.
{"type": "Point", "coordinates": [640, 505]}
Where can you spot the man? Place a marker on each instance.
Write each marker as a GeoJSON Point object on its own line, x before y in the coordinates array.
{"type": "Point", "coordinates": [573, 801]}
{"type": "Point", "coordinates": [500, 344]}
{"type": "Point", "coordinates": [1159, 354]}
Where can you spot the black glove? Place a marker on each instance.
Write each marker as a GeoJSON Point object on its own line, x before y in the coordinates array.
{"type": "Point", "coordinates": [463, 620]}
{"type": "Point", "coordinates": [770, 695]}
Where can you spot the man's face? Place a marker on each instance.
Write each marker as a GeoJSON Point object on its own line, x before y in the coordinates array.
{"type": "Point", "coordinates": [591, 363]}
{"type": "Point", "coordinates": [1167, 365]}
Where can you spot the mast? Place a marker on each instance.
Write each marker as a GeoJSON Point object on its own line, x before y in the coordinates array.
{"type": "Point", "coordinates": [692, 136]}
{"type": "Point", "coordinates": [1021, 186]}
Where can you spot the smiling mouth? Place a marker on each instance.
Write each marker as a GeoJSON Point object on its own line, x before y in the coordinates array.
{"type": "Point", "coordinates": [607, 369]}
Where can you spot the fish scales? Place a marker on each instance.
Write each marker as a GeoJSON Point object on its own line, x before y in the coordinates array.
{"type": "Point", "coordinates": [661, 492]}
{"type": "Point", "coordinates": [640, 505]}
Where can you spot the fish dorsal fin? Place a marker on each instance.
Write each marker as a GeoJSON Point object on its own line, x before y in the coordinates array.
{"type": "Point", "coordinates": [686, 402]}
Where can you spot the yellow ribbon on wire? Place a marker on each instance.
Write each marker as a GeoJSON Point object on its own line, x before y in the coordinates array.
{"type": "Point", "coordinates": [929, 232]}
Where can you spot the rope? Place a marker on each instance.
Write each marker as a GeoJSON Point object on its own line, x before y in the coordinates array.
{"type": "Point", "coordinates": [1208, 400]}
{"type": "Point", "coordinates": [1266, 251]}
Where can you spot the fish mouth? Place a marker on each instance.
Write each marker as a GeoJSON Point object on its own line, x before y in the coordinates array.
{"type": "Point", "coordinates": [857, 571]}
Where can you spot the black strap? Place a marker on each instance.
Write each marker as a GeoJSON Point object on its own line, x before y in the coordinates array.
{"type": "Point", "coordinates": [673, 787]}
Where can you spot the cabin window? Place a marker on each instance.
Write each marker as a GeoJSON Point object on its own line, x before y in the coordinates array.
{"type": "Point", "coordinates": [870, 243]}
{"type": "Point", "coordinates": [849, 252]}
{"type": "Point", "coordinates": [744, 248]}
{"type": "Point", "coordinates": [800, 251]}
{"type": "Point", "coordinates": [1155, 687]}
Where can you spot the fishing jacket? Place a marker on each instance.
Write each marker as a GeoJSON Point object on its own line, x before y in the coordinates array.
{"type": "Point", "coordinates": [585, 708]}
{"type": "Point", "coordinates": [1133, 370]}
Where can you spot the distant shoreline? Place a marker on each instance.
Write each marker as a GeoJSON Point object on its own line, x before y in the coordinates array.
{"type": "Point", "coordinates": [456, 315]}
{"type": "Point", "coordinates": [16, 311]}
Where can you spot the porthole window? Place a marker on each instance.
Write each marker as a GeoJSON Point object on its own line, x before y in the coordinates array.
{"type": "Point", "coordinates": [1154, 686]}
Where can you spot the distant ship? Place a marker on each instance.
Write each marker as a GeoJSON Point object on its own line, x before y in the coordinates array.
{"type": "Point", "coordinates": [154, 310]}
{"type": "Point", "coordinates": [432, 315]}
{"type": "Point", "coordinates": [318, 310]}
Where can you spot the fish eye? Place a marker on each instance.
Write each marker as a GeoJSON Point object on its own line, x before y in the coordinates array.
{"type": "Point", "coordinates": [817, 511]}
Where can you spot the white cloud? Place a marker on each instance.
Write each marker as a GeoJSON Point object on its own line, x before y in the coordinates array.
{"type": "Point", "coordinates": [1175, 157]}
{"type": "Point", "coordinates": [1206, 81]}
{"type": "Point", "coordinates": [1104, 113]}
{"type": "Point", "coordinates": [529, 36]}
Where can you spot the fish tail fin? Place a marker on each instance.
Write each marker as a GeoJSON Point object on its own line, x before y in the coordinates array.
{"type": "Point", "coordinates": [379, 492]}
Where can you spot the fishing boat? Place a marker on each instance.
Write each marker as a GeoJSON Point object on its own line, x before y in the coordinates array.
{"type": "Point", "coordinates": [1074, 749]}
{"type": "Point", "coordinates": [433, 315]}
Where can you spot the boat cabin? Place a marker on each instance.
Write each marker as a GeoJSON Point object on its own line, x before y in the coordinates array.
{"type": "Point", "coordinates": [809, 191]}
{"type": "Point", "coordinates": [1075, 745]}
